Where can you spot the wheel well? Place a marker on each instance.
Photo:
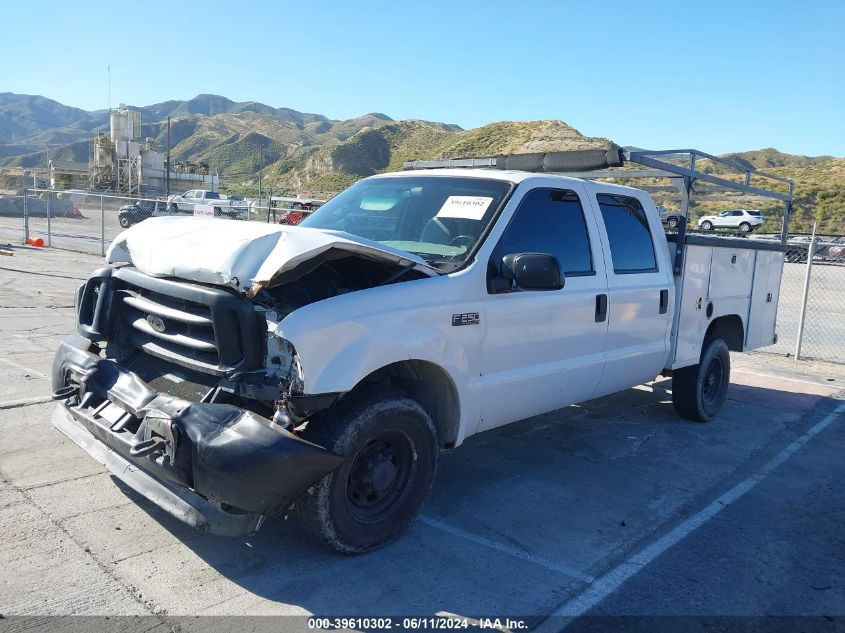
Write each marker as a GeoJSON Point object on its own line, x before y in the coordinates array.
{"type": "Point", "coordinates": [728, 328]}
{"type": "Point", "coordinates": [429, 385]}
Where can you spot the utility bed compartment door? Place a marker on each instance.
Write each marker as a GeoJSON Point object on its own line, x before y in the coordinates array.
{"type": "Point", "coordinates": [695, 284]}
{"type": "Point", "coordinates": [764, 299]}
{"type": "Point", "coordinates": [731, 273]}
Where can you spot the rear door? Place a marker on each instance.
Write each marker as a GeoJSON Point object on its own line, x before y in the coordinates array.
{"type": "Point", "coordinates": [640, 291]}
{"type": "Point", "coordinates": [544, 349]}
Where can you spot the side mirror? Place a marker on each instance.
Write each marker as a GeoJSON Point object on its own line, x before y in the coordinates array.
{"type": "Point", "coordinates": [533, 271]}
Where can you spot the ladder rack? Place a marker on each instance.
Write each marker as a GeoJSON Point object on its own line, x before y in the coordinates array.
{"type": "Point", "coordinates": [679, 166]}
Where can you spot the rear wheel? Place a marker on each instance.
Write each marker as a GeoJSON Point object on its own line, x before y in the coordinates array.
{"type": "Point", "coordinates": [390, 446]}
{"type": "Point", "coordinates": [707, 225]}
{"type": "Point", "coordinates": [745, 227]}
{"type": "Point", "coordinates": [699, 391]}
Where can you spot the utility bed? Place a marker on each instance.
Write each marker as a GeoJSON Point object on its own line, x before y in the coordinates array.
{"type": "Point", "coordinates": [738, 275]}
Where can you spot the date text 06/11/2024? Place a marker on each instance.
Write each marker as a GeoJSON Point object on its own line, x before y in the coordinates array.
{"type": "Point", "coordinates": [414, 623]}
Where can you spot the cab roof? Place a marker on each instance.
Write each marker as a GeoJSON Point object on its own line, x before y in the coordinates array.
{"type": "Point", "coordinates": [513, 176]}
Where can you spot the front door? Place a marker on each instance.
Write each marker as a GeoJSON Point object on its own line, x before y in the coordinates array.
{"type": "Point", "coordinates": [544, 349]}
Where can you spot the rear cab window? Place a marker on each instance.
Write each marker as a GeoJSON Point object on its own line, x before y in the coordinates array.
{"type": "Point", "coordinates": [629, 234]}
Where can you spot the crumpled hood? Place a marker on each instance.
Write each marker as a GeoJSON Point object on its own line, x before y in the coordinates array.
{"type": "Point", "coordinates": [242, 255]}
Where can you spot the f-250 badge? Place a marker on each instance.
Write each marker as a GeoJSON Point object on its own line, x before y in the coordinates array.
{"type": "Point", "coordinates": [469, 318]}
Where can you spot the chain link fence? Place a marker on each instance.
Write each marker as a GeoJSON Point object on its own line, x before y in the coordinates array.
{"type": "Point", "coordinates": [811, 310]}
{"type": "Point", "coordinates": [88, 222]}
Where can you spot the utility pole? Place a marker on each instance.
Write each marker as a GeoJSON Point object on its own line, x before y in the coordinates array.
{"type": "Point", "coordinates": [167, 173]}
{"type": "Point", "coordinates": [260, 166]}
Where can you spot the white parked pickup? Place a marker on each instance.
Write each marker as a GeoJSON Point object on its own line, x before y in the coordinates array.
{"type": "Point", "coordinates": [246, 369]}
{"type": "Point", "coordinates": [208, 203]}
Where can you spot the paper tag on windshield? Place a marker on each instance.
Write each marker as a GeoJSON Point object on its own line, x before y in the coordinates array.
{"type": "Point", "coordinates": [466, 207]}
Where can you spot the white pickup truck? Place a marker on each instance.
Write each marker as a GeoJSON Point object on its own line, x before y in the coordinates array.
{"type": "Point", "coordinates": [208, 203]}
{"type": "Point", "coordinates": [232, 371]}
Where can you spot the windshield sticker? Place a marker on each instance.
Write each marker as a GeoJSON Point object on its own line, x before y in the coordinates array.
{"type": "Point", "coordinates": [466, 207]}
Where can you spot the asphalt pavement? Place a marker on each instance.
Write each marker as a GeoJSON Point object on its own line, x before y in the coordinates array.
{"type": "Point", "coordinates": [614, 508]}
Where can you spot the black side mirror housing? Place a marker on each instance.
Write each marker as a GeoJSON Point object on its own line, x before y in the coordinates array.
{"type": "Point", "coordinates": [533, 271]}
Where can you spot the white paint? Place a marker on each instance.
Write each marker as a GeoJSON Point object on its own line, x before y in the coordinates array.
{"type": "Point", "coordinates": [619, 575]}
{"type": "Point", "coordinates": [505, 549]}
{"type": "Point", "coordinates": [465, 207]}
{"type": "Point", "coordinates": [237, 254]}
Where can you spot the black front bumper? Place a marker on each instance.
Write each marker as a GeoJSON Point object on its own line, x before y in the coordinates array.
{"type": "Point", "coordinates": [217, 467]}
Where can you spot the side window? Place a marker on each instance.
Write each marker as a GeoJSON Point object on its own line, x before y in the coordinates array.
{"type": "Point", "coordinates": [631, 247]}
{"type": "Point", "coordinates": [551, 221]}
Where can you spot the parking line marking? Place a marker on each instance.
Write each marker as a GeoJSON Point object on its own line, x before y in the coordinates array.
{"type": "Point", "coordinates": [33, 372]}
{"type": "Point", "coordinates": [619, 575]}
{"type": "Point", "coordinates": [505, 549]}
{"type": "Point", "coordinates": [803, 382]}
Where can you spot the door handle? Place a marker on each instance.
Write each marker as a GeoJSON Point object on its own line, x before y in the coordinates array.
{"type": "Point", "coordinates": [664, 301]}
{"type": "Point", "coordinates": [601, 308]}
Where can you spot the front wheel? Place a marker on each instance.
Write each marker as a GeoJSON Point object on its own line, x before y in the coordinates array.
{"type": "Point", "coordinates": [390, 447]}
{"type": "Point", "coordinates": [707, 225]}
{"type": "Point", "coordinates": [125, 222]}
{"type": "Point", "coordinates": [699, 391]}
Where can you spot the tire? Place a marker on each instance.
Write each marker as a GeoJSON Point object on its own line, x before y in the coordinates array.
{"type": "Point", "coordinates": [386, 437]}
{"type": "Point", "coordinates": [699, 391]}
{"type": "Point", "coordinates": [672, 222]}
{"type": "Point", "coordinates": [125, 222]}
{"type": "Point", "coordinates": [174, 208]}
{"type": "Point", "coordinates": [744, 227]}
{"type": "Point", "coordinates": [707, 225]}
{"type": "Point", "coordinates": [795, 256]}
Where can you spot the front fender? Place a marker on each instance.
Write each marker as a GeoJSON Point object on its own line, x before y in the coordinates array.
{"type": "Point", "coordinates": [336, 358]}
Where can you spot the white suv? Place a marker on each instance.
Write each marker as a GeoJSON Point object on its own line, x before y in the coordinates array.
{"type": "Point", "coordinates": [743, 219]}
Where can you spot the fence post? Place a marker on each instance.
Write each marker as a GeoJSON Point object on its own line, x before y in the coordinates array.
{"type": "Point", "coordinates": [49, 226]}
{"type": "Point", "coordinates": [102, 227]}
{"type": "Point", "coordinates": [25, 210]}
{"type": "Point", "coordinates": [806, 294]}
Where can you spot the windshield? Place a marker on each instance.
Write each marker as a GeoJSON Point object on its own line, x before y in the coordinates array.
{"type": "Point", "coordinates": [439, 218]}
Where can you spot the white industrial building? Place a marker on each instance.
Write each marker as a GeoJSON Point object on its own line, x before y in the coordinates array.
{"type": "Point", "coordinates": [124, 163]}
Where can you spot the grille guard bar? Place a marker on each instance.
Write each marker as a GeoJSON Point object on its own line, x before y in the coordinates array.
{"type": "Point", "coordinates": [195, 460]}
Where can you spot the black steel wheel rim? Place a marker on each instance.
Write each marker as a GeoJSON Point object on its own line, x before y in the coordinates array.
{"type": "Point", "coordinates": [381, 476]}
{"type": "Point", "coordinates": [713, 380]}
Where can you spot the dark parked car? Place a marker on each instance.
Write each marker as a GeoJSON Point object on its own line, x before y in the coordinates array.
{"type": "Point", "coordinates": [130, 214]}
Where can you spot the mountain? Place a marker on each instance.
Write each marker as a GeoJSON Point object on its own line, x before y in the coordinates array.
{"type": "Point", "coordinates": [29, 122]}
{"type": "Point", "coordinates": [300, 152]}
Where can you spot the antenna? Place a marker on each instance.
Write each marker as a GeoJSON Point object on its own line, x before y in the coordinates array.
{"type": "Point", "coordinates": [109, 71]}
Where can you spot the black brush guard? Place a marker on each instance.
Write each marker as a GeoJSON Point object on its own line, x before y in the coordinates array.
{"type": "Point", "coordinates": [217, 467]}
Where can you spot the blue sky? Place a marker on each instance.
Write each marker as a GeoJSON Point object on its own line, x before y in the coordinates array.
{"type": "Point", "coordinates": [720, 76]}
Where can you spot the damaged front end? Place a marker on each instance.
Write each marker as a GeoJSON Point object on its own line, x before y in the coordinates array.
{"type": "Point", "coordinates": [172, 388]}
{"type": "Point", "coordinates": [178, 380]}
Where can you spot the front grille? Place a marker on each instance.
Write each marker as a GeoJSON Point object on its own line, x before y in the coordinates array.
{"type": "Point", "coordinates": [200, 327]}
{"type": "Point", "coordinates": [183, 327]}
